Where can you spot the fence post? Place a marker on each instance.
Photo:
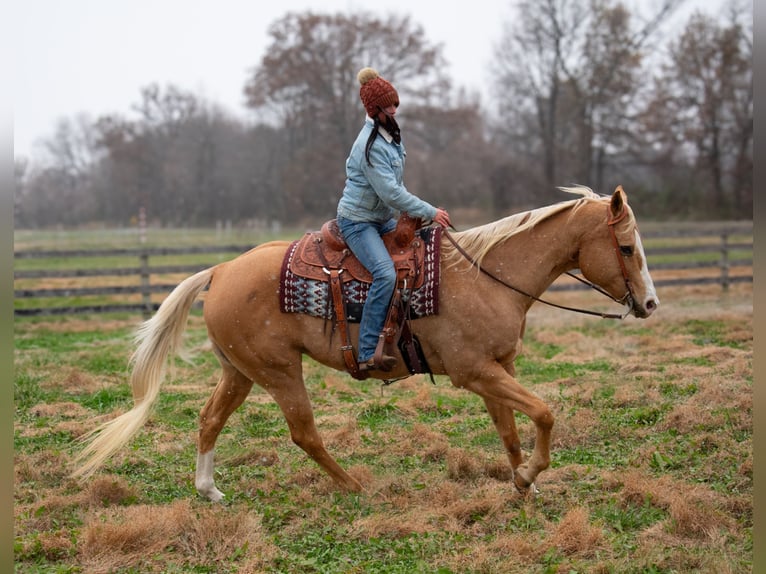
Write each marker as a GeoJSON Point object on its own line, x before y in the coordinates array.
{"type": "Point", "coordinates": [725, 261]}
{"type": "Point", "coordinates": [146, 294]}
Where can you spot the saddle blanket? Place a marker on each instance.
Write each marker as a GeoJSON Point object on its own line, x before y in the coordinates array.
{"type": "Point", "coordinates": [312, 297]}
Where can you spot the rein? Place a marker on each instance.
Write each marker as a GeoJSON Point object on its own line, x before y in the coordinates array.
{"type": "Point", "coordinates": [627, 298]}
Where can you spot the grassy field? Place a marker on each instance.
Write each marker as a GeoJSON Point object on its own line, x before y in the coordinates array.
{"type": "Point", "coordinates": [651, 465]}
{"type": "Point", "coordinates": [651, 458]}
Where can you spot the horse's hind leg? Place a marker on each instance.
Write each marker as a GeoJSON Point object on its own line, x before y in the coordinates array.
{"type": "Point", "coordinates": [505, 423]}
{"type": "Point", "coordinates": [229, 394]}
{"type": "Point", "coordinates": [288, 390]}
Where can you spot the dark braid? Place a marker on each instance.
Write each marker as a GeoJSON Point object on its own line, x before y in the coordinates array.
{"type": "Point", "coordinates": [371, 139]}
{"type": "Point", "coordinates": [390, 125]}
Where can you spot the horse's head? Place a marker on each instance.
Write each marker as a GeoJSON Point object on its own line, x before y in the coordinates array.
{"type": "Point", "coordinates": [611, 256]}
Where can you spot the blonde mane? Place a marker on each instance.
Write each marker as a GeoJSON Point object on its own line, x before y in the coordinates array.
{"type": "Point", "coordinates": [478, 241]}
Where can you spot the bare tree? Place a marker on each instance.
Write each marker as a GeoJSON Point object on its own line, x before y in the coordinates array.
{"type": "Point", "coordinates": [58, 189]}
{"type": "Point", "coordinates": [567, 75]}
{"type": "Point", "coordinates": [73, 145]}
{"type": "Point", "coordinates": [450, 158]}
{"type": "Point", "coordinates": [703, 105]}
{"type": "Point", "coordinates": [166, 110]}
{"type": "Point", "coordinates": [182, 160]}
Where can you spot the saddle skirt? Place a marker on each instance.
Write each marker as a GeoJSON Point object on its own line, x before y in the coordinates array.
{"type": "Point", "coordinates": [309, 262]}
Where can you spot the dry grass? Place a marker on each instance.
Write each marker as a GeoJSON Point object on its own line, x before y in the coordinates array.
{"type": "Point", "coordinates": [136, 535]}
{"type": "Point", "coordinates": [694, 511]}
{"type": "Point", "coordinates": [651, 471]}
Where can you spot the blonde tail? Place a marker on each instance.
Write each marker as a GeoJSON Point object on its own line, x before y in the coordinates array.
{"type": "Point", "coordinates": [157, 339]}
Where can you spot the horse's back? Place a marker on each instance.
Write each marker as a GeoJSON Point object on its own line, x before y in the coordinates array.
{"type": "Point", "coordinates": [252, 277]}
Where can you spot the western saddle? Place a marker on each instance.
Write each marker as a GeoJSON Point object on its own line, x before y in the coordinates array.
{"type": "Point", "coordinates": [324, 256]}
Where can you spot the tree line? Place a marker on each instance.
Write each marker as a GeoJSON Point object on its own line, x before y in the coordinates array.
{"type": "Point", "coordinates": [583, 91]}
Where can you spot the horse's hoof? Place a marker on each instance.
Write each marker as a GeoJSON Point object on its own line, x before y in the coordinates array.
{"type": "Point", "coordinates": [522, 486]}
{"type": "Point", "coordinates": [529, 491]}
{"type": "Point", "coordinates": [212, 494]}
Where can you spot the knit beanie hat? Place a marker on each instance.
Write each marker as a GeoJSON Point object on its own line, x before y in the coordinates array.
{"type": "Point", "coordinates": [375, 92]}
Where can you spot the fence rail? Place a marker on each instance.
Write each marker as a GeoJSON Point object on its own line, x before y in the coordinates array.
{"type": "Point", "coordinates": [719, 271]}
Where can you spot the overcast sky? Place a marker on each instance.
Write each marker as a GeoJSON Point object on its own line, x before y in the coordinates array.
{"type": "Point", "coordinates": [94, 56]}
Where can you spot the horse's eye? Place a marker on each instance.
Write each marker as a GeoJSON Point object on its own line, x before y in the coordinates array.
{"type": "Point", "coordinates": [626, 250]}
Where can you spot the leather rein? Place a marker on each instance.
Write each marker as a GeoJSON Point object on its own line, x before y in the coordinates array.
{"type": "Point", "coordinates": [627, 299]}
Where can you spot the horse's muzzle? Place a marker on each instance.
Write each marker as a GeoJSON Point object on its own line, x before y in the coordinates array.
{"type": "Point", "coordinates": [646, 308]}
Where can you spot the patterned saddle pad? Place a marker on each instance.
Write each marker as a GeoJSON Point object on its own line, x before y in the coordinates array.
{"type": "Point", "coordinates": [311, 296]}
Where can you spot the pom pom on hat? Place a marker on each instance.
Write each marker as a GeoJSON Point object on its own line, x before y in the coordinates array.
{"type": "Point", "coordinates": [375, 92]}
{"type": "Point", "coordinates": [367, 74]}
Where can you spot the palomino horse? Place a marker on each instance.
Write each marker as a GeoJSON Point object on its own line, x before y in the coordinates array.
{"type": "Point", "coordinates": [474, 339]}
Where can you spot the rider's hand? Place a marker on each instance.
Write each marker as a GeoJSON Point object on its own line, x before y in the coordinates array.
{"type": "Point", "coordinates": [442, 218]}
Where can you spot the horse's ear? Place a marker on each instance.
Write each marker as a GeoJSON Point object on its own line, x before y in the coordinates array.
{"type": "Point", "coordinates": [619, 200]}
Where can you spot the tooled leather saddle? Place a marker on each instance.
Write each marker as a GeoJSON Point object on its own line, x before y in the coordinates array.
{"type": "Point", "coordinates": [321, 252]}
{"type": "Point", "coordinates": [324, 256]}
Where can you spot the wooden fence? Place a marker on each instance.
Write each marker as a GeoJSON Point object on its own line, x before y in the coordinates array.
{"type": "Point", "coordinates": [702, 256]}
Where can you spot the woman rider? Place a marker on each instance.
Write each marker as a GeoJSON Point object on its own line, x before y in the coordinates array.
{"type": "Point", "coordinates": [373, 197]}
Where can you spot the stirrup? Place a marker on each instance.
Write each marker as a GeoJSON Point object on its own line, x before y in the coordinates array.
{"type": "Point", "coordinates": [385, 364]}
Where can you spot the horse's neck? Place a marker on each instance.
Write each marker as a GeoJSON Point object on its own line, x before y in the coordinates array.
{"type": "Point", "coordinates": [534, 258]}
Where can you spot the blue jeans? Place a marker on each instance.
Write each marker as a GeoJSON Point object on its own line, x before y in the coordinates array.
{"type": "Point", "coordinates": [364, 240]}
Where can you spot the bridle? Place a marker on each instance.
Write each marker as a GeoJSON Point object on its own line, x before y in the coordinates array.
{"type": "Point", "coordinates": [611, 223]}
{"type": "Point", "coordinates": [626, 299]}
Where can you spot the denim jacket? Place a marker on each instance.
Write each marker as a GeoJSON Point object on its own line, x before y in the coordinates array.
{"type": "Point", "coordinates": [377, 193]}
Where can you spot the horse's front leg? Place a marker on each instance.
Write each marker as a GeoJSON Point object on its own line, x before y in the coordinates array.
{"type": "Point", "coordinates": [503, 394]}
{"type": "Point", "coordinates": [505, 423]}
